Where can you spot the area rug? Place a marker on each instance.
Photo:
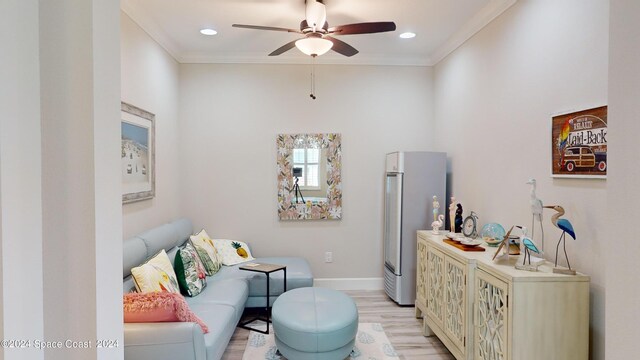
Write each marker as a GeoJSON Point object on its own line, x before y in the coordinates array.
{"type": "Point", "coordinates": [371, 343]}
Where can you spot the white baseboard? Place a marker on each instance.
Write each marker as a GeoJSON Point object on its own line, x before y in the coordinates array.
{"type": "Point", "coordinates": [350, 283]}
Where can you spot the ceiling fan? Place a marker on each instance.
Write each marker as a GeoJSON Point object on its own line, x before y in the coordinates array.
{"type": "Point", "coordinates": [318, 37]}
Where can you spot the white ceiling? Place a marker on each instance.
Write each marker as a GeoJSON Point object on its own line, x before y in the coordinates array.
{"type": "Point", "coordinates": [440, 25]}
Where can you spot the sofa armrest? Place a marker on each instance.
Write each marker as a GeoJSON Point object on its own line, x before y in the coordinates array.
{"type": "Point", "coordinates": [163, 341]}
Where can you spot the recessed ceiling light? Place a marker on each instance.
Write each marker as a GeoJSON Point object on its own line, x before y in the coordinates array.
{"type": "Point", "coordinates": [407, 35]}
{"type": "Point", "coordinates": [208, 32]}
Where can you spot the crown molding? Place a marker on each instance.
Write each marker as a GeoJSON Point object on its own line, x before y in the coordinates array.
{"type": "Point", "coordinates": [260, 58]}
{"type": "Point", "coordinates": [485, 16]}
{"type": "Point", "coordinates": [149, 26]}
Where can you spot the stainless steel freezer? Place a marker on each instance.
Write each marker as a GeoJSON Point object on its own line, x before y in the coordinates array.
{"type": "Point", "coordinates": [412, 179]}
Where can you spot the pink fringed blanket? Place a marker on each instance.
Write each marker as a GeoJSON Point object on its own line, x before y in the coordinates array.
{"type": "Point", "coordinates": [158, 307]}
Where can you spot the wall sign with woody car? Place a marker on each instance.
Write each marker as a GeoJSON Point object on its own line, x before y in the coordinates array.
{"type": "Point", "coordinates": [579, 144]}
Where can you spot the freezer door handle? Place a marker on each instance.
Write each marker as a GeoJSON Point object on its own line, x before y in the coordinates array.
{"type": "Point", "coordinates": [393, 223]}
{"type": "Point", "coordinates": [398, 234]}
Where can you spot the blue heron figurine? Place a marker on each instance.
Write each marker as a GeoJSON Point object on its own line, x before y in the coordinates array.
{"type": "Point", "coordinates": [528, 247]}
{"type": "Point", "coordinates": [567, 228]}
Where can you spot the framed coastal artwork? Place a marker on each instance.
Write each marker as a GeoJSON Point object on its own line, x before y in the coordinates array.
{"type": "Point", "coordinates": [137, 154]}
{"type": "Point", "coordinates": [579, 144]}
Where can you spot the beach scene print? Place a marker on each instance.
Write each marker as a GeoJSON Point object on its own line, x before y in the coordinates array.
{"type": "Point", "coordinates": [135, 154]}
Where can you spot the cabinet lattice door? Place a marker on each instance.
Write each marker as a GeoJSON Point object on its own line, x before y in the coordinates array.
{"type": "Point", "coordinates": [455, 303]}
{"type": "Point", "coordinates": [491, 317]}
{"type": "Point", "coordinates": [421, 276]}
{"type": "Point", "coordinates": [435, 285]}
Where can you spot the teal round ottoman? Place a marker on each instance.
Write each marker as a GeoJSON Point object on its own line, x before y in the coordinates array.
{"type": "Point", "coordinates": [314, 324]}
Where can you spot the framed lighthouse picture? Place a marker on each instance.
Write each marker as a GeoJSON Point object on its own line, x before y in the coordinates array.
{"type": "Point", "coordinates": [579, 144]}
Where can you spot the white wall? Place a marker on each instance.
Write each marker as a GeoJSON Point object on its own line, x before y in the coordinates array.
{"type": "Point", "coordinates": [150, 81]}
{"type": "Point", "coordinates": [80, 96]}
{"type": "Point", "coordinates": [230, 116]}
{"type": "Point", "coordinates": [495, 96]}
{"type": "Point", "coordinates": [623, 288]}
{"type": "Point", "coordinates": [21, 302]}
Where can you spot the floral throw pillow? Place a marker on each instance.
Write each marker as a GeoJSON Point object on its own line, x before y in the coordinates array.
{"type": "Point", "coordinates": [233, 252]}
{"type": "Point", "coordinates": [156, 275]}
{"type": "Point", "coordinates": [210, 267]}
{"type": "Point", "coordinates": [207, 252]}
{"type": "Point", "coordinates": [189, 270]}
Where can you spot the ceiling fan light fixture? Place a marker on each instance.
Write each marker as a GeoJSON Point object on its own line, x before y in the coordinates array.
{"type": "Point", "coordinates": [314, 46]}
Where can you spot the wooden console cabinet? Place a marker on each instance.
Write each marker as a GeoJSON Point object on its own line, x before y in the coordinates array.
{"type": "Point", "coordinates": [481, 309]}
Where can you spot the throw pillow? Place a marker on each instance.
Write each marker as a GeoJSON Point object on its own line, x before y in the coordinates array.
{"type": "Point", "coordinates": [155, 275]}
{"type": "Point", "coordinates": [210, 267]}
{"type": "Point", "coordinates": [158, 307]}
{"type": "Point", "coordinates": [189, 270]}
{"type": "Point", "coordinates": [204, 246]}
{"type": "Point", "coordinates": [233, 252]}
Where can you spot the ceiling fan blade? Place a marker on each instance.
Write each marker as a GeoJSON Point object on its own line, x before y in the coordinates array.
{"type": "Point", "coordinates": [363, 28]}
{"type": "Point", "coordinates": [257, 27]}
{"type": "Point", "coordinates": [342, 47]}
{"type": "Point", "coordinates": [284, 48]}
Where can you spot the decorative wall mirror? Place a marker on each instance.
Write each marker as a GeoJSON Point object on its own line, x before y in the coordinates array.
{"type": "Point", "coordinates": [309, 180]}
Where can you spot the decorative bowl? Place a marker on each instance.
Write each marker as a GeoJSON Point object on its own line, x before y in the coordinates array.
{"type": "Point", "coordinates": [492, 233]}
{"type": "Point", "coordinates": [491, 241]}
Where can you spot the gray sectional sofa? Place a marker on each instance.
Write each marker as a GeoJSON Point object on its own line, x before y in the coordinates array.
{"type": "Point", "coordinates": [220, 305]}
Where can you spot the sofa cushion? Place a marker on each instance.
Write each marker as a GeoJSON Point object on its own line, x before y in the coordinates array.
{"type": "Point", "coordinates": [222, 325]}
{"type": "Point", "coordinates": [128, 285]}
{"type": "Point", "coordinates": [162, 237]}
{"type": "Point", "coordinates": [183, 228]}
{"type": "Point", "coordinates": [232, 252]}
{"type": "Point", "coordinates": [156, 275]}
{"type": "Point", "coordinates": [190, 272]}
{"type": "Point", "coordinates": [231, 292]}
{"type": "Point", "coordinates": [134, 253]}
{"type": "Point", "coordinates": [166, 236]}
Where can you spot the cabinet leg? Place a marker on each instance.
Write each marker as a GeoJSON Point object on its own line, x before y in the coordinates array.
{"type": "Point", "coordinates": [426, 330]}
{"type": "Point", "coordinates": [419, 314]}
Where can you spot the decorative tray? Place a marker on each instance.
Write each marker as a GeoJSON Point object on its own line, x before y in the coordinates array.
{"type": "Point", "coordinates": [463, 247]}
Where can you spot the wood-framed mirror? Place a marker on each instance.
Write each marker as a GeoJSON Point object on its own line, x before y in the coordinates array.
{"type": "Point", "coordinates": [309, 176]}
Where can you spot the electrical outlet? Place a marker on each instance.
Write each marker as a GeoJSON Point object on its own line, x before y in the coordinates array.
{"type": "Point", "coordinates": [328, 257]}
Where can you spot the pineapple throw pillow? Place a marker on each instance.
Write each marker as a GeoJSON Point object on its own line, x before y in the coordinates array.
{"type": "Point", "coordinates": [232, 252]}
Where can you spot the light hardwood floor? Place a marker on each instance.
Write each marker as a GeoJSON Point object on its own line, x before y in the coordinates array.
{"type": "Point", "coordinates": [399, 323]}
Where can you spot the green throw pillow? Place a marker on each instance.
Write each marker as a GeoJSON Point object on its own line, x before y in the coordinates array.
{"type": "Point", "coordinates": [189, 270]}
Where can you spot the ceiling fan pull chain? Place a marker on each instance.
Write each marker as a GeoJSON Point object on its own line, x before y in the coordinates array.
{"type": "Point", "coordinates": [313, 78]}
